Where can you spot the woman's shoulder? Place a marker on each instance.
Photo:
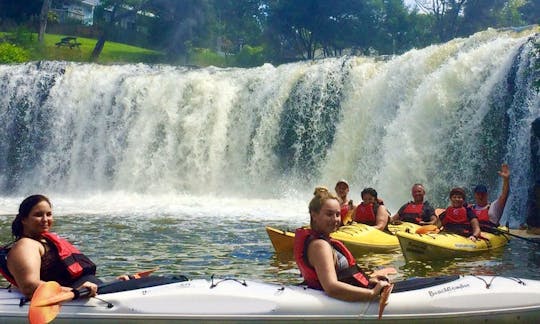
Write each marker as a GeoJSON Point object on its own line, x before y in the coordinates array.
{"type": "Point", "coordinates": [25, 244]}
{"type": "Point", "coordinates": [319, 242]}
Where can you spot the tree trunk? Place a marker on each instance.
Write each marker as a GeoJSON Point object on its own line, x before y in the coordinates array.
{"type": "Point", "coordinates": [43, 20]}
{"type": "Point", "coordinates": [99, 47]}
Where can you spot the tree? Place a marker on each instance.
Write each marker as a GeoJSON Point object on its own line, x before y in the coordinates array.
{"type": "Point", "coordinates": [480, 14]}
{"type": "Point", "coordinates": [43, 20]}
{"type": "Point", "coordinates": [306, 26]}
{"type": "Point", "coordinates": [18, 10]}
{"type": "Point", "coordinates": [393, 26]}
{"type": "Point", "coordinates": [446, 14]}
{"type": "Point", "coordinates": [531, 11]}
{"type": "Point", "coordinates": [181, 25]}
{"type": "Point", "coordinates": [118, 10]}
{"type": "Point", "coordinates": [239, 21]}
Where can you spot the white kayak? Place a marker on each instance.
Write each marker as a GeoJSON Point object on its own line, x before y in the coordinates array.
{"type": "Point", "coordinates": [442, 299]}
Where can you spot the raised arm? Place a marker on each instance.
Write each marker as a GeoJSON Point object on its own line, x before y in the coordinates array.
{"type": "Point", "coordinates": [504, 173]}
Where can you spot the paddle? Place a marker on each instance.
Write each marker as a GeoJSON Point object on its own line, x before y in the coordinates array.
{"type": "Point", "coordinates": [45, 303]}
{"type": "Point", "coordinates": [383, 272]}
{"type": "Point", "coordinates": [498, 231]}
{"type": "Point", "coordinates": [45, 291]}
{"type": "Point", "coordinates": [428, 229]}
{"type": "Point", "coordinates": [385, 294]}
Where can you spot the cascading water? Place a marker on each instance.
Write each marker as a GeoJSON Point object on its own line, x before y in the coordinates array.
{"type": "Point", "coordinates": [447, 115]}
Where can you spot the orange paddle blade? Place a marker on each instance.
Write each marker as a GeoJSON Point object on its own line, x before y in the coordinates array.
{"type": "Point", "coordinates": [385, 294]}
{"type": "Point", "coordinates": [384, 272]}
{"type": "Point", "coordinates": [144, 273]}
{"type": "Point", "coordinates": [439, 211]}
{"type": "Point", "coordinates": [41, 309]}
{"type": "Point", "coordinates": [427, 229]}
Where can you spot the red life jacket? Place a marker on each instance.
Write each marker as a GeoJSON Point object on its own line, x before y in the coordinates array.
{"type": "Point", "coordinates": [366, 214]}
{"type": "Point", "coordinates": [344, 211]}
{"type": "Point", "coordinates": [302, 238]}
{"type": "Point", "coordinates": [412, 213]}
{"type": "Point", "coordinates": [482, 214]}
{"type": "Point", "coordinates": [76, 263]}
{"type": "Point", "coordinates": [4, 271]}
{"type": "Point", "coordinates": [455, 216]}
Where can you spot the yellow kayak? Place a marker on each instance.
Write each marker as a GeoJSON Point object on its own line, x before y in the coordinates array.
{"type": "Point", "coordinates": [283, 241]}
{"type": "Point", "coordinates": [358, 238]}
{"type": "Point", "coordinates": [447, 245]}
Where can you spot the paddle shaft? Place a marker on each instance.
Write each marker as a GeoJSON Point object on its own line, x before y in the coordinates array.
{"type": "Point", "coordinates": [62, 297]}
{"type": "Point", "coordinates": [509, 234]}
{"type": "Point", "coordinates": [82, 292]}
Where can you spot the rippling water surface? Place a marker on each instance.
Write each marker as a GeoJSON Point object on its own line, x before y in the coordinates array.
{"type": "Point", "coordinates": [227, 241]}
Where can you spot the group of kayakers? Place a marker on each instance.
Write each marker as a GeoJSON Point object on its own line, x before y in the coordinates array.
{"type": "Point", "coordinates": [459, 217]}
{"type": "Point", "coordinates": [37, 255]}
{"type": "Point", "coordinates": [326, 264]}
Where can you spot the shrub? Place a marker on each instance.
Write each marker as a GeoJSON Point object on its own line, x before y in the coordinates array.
{"type": "Point", "coordinates": [12, 54]}
{"type": "Point", "coordinates": [250, 56]}
{"type": "Point", "coordinates": [206, 57]}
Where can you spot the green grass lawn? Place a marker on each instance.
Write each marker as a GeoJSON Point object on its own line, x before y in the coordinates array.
{"type": "Point", "coordinates": [112, 52]}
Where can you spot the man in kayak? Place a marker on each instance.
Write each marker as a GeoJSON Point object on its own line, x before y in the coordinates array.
{"type": "Point", "coordinates": [37, 255]}
{"type": "Point", "coordinates": [326, 263]}
{"type": "Point", "coordinates": [371, 211]}
{"type": "Point", "coordinates": [342, 191]}
{"type": "Point", "coordinates": [459, 218]}
{"type": "Point", "coordinates": [416, 211]}
{"type": "Point", "coordinates": [489, 214]}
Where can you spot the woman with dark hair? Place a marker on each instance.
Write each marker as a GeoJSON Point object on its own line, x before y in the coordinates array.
{"type": "Point", "coordinates": [38, 255]}
{"type": "Point", "coordinates": [326, 263]}
{"type": "Point", "coordinates": [371, 210]}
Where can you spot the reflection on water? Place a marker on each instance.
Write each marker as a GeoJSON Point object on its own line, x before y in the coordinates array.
{"type": "Point", "coordinates": [200, 247]}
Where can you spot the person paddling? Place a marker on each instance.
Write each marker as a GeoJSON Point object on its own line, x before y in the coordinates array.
{"type": "Point", "coordinates": [371, 211]}
{"type": "Point", "coordinates": [459, 218]}
{"type": "Point", "coordinates": [489, 214]}
{"type": "Point", "coordinates": [325, 263]}
{"type": "Point", "coordinates": [418, 211]}
{"type": "Point", "coordinates": [35, 255]}
{"type": "Point", "coordinates": [346, 204]}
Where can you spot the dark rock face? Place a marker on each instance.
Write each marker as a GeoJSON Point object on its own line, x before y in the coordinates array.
{"type": "Point", "coordinates": [533, 218]}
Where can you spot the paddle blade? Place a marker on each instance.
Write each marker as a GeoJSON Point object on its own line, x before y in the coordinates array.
{"type": "Point", "coordinates": [427, 229]}
{"type": "Point", "coordinates": [44, 314]}
{"type": "Point", "coordinates": [384, 272]}
{"type": "Point", "coordinates": [145, 273]}
{"type": "Point", "coordinates": [439, 211]}
{"type": "Point", "coordinates": [385, 294]}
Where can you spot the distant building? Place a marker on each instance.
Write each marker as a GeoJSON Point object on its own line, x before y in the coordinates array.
{"type": "Point", "coordinates": [82, 11]}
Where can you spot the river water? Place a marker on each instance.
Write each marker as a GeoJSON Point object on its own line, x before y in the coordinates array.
{"type": "Point", "coordinates": [216, 237]}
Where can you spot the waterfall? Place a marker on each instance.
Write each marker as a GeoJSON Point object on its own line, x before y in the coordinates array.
{"type": "Point", "coordinates": [446, 115]}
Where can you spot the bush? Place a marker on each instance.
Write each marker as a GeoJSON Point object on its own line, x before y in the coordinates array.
{"type": "Point", "coordinates": [250, 56]}
{"type": "Point", "coordinates": [206, 57]}
{"type": "Point", "coordinates": [12, 54]}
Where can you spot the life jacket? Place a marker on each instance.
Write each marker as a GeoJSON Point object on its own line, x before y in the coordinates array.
{"type": "Point", "coordinates": [366, 214]}
{"type": "Point", "coordinates": [4, 250]}
{"type": "Point", "coordinates": [76, 263]}
{"type": "Point", "coordinates": [412, 213]}
{"type": "Point", "coordinates": [482, 214]}
{"type": "Point", "coordinates": [344, 210]}
{"type": "Point", "coordinates": [351, 275]}
{"type": "Point", "coordinates": [455, 216]}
